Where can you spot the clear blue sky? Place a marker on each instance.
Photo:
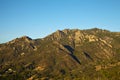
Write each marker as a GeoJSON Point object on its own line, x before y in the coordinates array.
{"type": "Point", "coordinates": [38, 18]}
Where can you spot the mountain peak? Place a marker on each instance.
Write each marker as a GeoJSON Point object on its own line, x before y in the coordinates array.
{"type": "Point", "coordinates": [25, 37]}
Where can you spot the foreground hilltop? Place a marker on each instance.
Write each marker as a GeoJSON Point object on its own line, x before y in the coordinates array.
{"type": "Point", "coordinates": [70, 54]}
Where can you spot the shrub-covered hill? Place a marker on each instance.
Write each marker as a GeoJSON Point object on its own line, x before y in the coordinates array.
{"type": "Point", "coordinates": [70, 54]}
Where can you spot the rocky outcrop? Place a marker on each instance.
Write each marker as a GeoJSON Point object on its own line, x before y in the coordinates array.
{"type": "Point", "coordinates": [23, 38]}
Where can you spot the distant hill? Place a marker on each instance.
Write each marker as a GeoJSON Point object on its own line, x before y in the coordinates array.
{"type": "Point", "coordinates": [70, 54]}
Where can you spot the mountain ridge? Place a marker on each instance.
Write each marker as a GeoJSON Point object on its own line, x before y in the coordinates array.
{"type": "Point", "coordinates": [65, 54]}
{"type": "Point", "coordinates": [64, 30]}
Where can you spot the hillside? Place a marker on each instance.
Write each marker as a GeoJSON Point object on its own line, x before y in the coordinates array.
{"type": "Point", "coordinates": [70, 54]}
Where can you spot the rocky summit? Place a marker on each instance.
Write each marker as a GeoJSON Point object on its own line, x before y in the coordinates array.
{"type": "Point", "coordinates": [70, 54]}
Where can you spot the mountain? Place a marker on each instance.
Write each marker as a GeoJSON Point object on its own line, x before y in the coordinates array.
{"type": "Point", "coordinates": [70, 54]}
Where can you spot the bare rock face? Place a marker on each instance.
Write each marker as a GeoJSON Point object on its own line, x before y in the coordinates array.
{"type": "Point", "coordinates": [79, 37]}
{"type": "Point", "coordinates": [66, 31]}
{"type": "Point", "coordinates": [91, 38]}
{"type": "Point", "coordinates": [56, 36]}
{"type": "Point", "coordinates": [59, 34]}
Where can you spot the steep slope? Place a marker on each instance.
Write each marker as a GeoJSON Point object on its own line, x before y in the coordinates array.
{"type": "Point", "coordinates": [67, 54]}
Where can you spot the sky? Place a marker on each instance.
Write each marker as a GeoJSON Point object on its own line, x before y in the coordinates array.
{"type": "Point", "coordinates": [39, 18]}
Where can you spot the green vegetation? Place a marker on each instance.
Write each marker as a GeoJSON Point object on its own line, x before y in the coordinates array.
{"type": "Point", "coordinates": [64, 55]}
